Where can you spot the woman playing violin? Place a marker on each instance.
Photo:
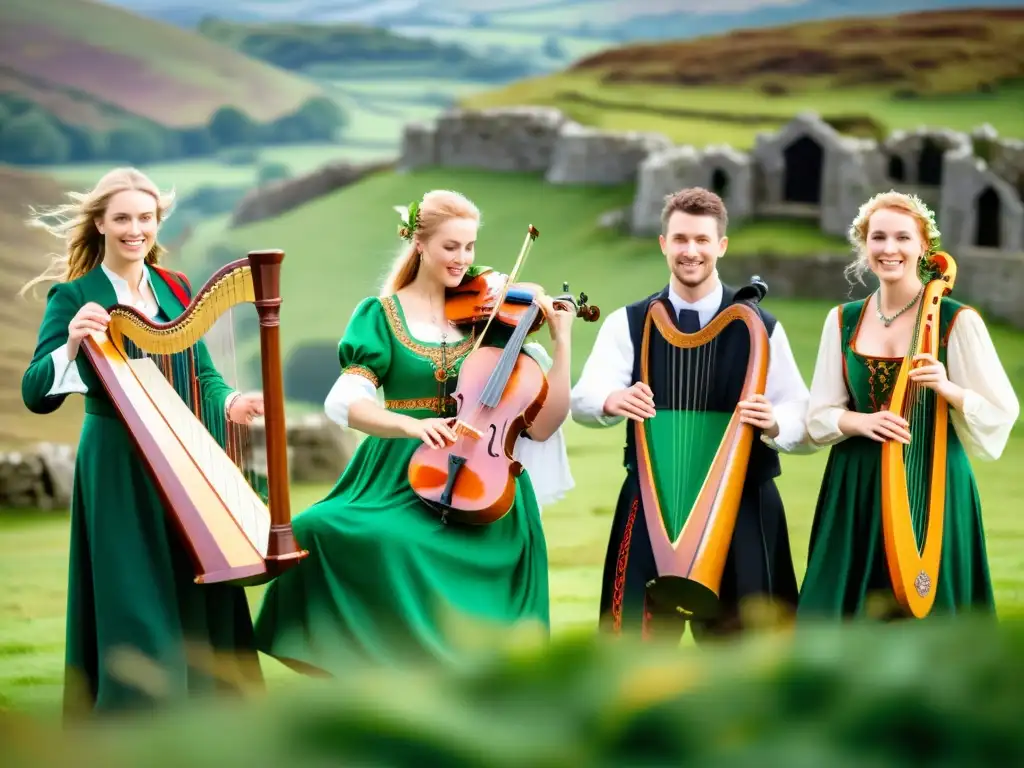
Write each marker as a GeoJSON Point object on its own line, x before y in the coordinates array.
{"type": "Point", "coordinates": [385, 575]}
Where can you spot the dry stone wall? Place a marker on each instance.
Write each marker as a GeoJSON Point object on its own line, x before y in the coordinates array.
{"type": "Point", "coordinates": [41, 477]}
{"type": "Point", "coordinates": [283, 195]}
{"type": "Point", "coordinates": [805, 170]}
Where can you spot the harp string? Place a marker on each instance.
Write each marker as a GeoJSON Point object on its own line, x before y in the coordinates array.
{"type": "Point", "coordinates": [687, 428]}
{"type": "Point", "coordinates": [181, 370]}
{"type": "Point", "coordinates": [919, 411]}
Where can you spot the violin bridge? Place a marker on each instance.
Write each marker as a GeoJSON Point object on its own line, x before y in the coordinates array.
{"type": "Point", "coordinates": [462, 428]}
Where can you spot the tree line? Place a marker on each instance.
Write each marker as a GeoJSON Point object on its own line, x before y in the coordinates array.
{"type": "Point", "coordinates": [304, 47]}
{"type": "Point", "coordinates": [32, 135]}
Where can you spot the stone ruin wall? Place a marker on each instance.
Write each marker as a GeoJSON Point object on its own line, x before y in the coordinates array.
{"type": "Point", "coordinates": [805, 170]}
{"type": "Point", "coordinates": [40, 476]}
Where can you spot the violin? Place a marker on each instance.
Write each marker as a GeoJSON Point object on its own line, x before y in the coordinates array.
{"type": "Point", "coordinates": [500, 392]}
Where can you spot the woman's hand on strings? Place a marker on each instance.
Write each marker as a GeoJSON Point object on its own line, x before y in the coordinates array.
{"type": "Point", "coordinates": [437, 433]}
{"type": "Point", "coordinates": [559, 318]}
{"type": "Point", "coordinates": [245, 408]}
{"type": "Point", "coordinates": [929, 372]}
{"type": "Point", "coordinates": [91, 318]}
{"type": "Point", "coordinates": [883, 425]}
{"type": "Point", "coordinates": [757, 411]}
{"type": "Point", "coordinates": [635, 402]}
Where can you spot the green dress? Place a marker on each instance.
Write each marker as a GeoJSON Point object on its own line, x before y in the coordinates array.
{"type": "Point", "coordinates": [386, 580]}
{"type": "Point", "coordinates": [847, 575]}
{"type": "Point", "coordinates": [133, 606]}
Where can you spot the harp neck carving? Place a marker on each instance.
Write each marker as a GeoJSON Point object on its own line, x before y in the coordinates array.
{"type": "Point", "coordinates": [914, 475]}
{"type": "Point", "coordinates": [235, 520]}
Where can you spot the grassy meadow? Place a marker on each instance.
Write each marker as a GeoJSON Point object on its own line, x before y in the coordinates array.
{"type": "Point", "coordinates": [339, 247]}
{"type": "Point", "coordinates": [611, 268]}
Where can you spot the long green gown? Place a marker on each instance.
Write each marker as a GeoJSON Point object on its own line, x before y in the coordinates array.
{"type": "Point", "coordinates": [385, 576]}
{"type": "Point", "coordinates": [847, 575]}
{"type": "Point", "coordinates": [132, 603]}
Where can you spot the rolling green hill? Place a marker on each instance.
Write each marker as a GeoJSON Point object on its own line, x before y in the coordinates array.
{"type": "Point", "coordinates": [24, 253]}
{"type": "Point", "coordinates": [67, 51]}
{"type": "Point", "coordinates": [867, 76]}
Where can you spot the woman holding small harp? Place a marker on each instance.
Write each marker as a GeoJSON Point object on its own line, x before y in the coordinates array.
{"type": "Point", "coordinates": [898, 528]}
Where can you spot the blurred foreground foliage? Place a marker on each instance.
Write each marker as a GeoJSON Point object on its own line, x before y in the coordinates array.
{"type": "Point", "coordinates": [906, 694]}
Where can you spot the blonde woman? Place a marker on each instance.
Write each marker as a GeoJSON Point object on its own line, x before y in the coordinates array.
{"type": "Point", "coordinates": [384, 574]}
{"type": "Point", "coordinates": [862, 346]}
{"type": "Point", "coordinates": [132, 604]}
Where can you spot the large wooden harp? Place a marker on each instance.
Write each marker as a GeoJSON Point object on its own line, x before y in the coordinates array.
{"type": "Point", "coordinates": [914, 475]}
{"type": "Point", "coordinates": [692, 456]}
{"type": "Point", "coordinates": [236, 521]}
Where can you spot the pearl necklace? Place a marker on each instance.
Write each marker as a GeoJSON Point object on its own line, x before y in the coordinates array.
{"type": "Point", "coordinates": [887, 321]}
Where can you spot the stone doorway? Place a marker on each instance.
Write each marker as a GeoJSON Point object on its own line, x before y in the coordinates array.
{"type": "Point", "coordinates": [804, 161]}
{"type": "Point", "coordinates": [929, 164]}
{"type": "Point", "coordinates": [720, 183]}
{"type": "Point", "coordinates": [987, 216]}
{"type": "Point", "coordinates": [897, 171]}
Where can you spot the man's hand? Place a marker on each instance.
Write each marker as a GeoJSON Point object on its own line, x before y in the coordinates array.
{"type": "Point", "coordinates": [635, 402]}
{"type": "Point", "coordinates": [757, 411]}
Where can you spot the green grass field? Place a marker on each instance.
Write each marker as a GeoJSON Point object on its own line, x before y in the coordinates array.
{"type": "Point", "coordinates": [33, 546]}
{"type": "Point", "coordinates": [359, 225]}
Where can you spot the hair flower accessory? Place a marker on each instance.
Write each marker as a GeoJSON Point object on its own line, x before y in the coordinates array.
{"type": "Point", "coordinates": [409, 215]}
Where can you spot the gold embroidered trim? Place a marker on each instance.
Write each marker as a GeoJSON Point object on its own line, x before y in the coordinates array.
{"type": "Point", "coordinates": [366, 373]}
{"type": "Point", "coordinates": [453, 351]}
{"type": "Point", "coordinates": [418, 403]}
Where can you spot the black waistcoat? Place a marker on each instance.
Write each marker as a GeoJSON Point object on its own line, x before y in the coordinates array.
{"type": "Point", "coordinates": [732, 351]}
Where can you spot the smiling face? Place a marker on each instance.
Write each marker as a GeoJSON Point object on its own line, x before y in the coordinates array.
{"type": "Point", "coordinates": [692, 246]}
{"type": "Point", "coordinates": [129, 225]}
{"type": "Point", "coordinates": [895, 245]}
{"type": "Point", "coordinates": [449, 252]}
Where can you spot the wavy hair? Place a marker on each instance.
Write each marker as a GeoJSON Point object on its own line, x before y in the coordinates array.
{"type": "Point", "coordinates": [75, 224]}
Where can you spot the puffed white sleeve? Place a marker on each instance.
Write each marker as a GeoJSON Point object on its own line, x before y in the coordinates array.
{"type": "Point", "coordinates": [608, 368]}
{"type": "Point", "coordinates": [990, 406]}
{"type": "Point", "coordinates": [829, 398]}
{"type": "Point", "coordinates": [364, 354]}
{"type": "Point", "coordinates": [66, 378]}
{"type": "Point", "coordinates": [546, 461]}
{"type": "Point", "coordinates": [349, 388]}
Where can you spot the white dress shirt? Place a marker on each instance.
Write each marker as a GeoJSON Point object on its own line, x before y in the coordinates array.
{"type": "Point", "coordinates": [610, 368]}
{"type": "Point", "coordinates": [546, 461]}
{"type": "Point", "coordinates": [66, 378]}
{"type": "Point", "coordinates": [990, 407]}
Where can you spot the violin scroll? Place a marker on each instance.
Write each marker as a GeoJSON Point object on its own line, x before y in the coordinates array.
{"type": "Point", "coordinates": [588, 313]}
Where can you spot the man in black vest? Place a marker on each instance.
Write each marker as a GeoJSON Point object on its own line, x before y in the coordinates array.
{"type": "Point", "coordinates": [759, 564]}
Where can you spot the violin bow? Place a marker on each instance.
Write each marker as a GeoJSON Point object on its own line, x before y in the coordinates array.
{"type": "Point", "coordinates": [531, 235]}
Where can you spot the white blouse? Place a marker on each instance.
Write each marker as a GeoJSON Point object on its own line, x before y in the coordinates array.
{"type": "Point", "coordinates": [610, 367]}
{"type": "Point", "coordinates": [547, 461]}
{"type": "Point", "coordinates": [66, 379]}
{"type": "Point", "coordinates": [990, 407]}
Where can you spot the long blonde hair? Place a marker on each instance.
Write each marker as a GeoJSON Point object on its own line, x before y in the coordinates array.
{"type": "Point", "coordinates": [75, 224]}
{"type": "Point", "coordinates": [896, 201]}
{"type": "Point", "coordinates": [436, 207]}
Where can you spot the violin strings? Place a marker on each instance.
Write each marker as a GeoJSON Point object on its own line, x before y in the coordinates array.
{"type": "Point", "coordinates": [490, 397]}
